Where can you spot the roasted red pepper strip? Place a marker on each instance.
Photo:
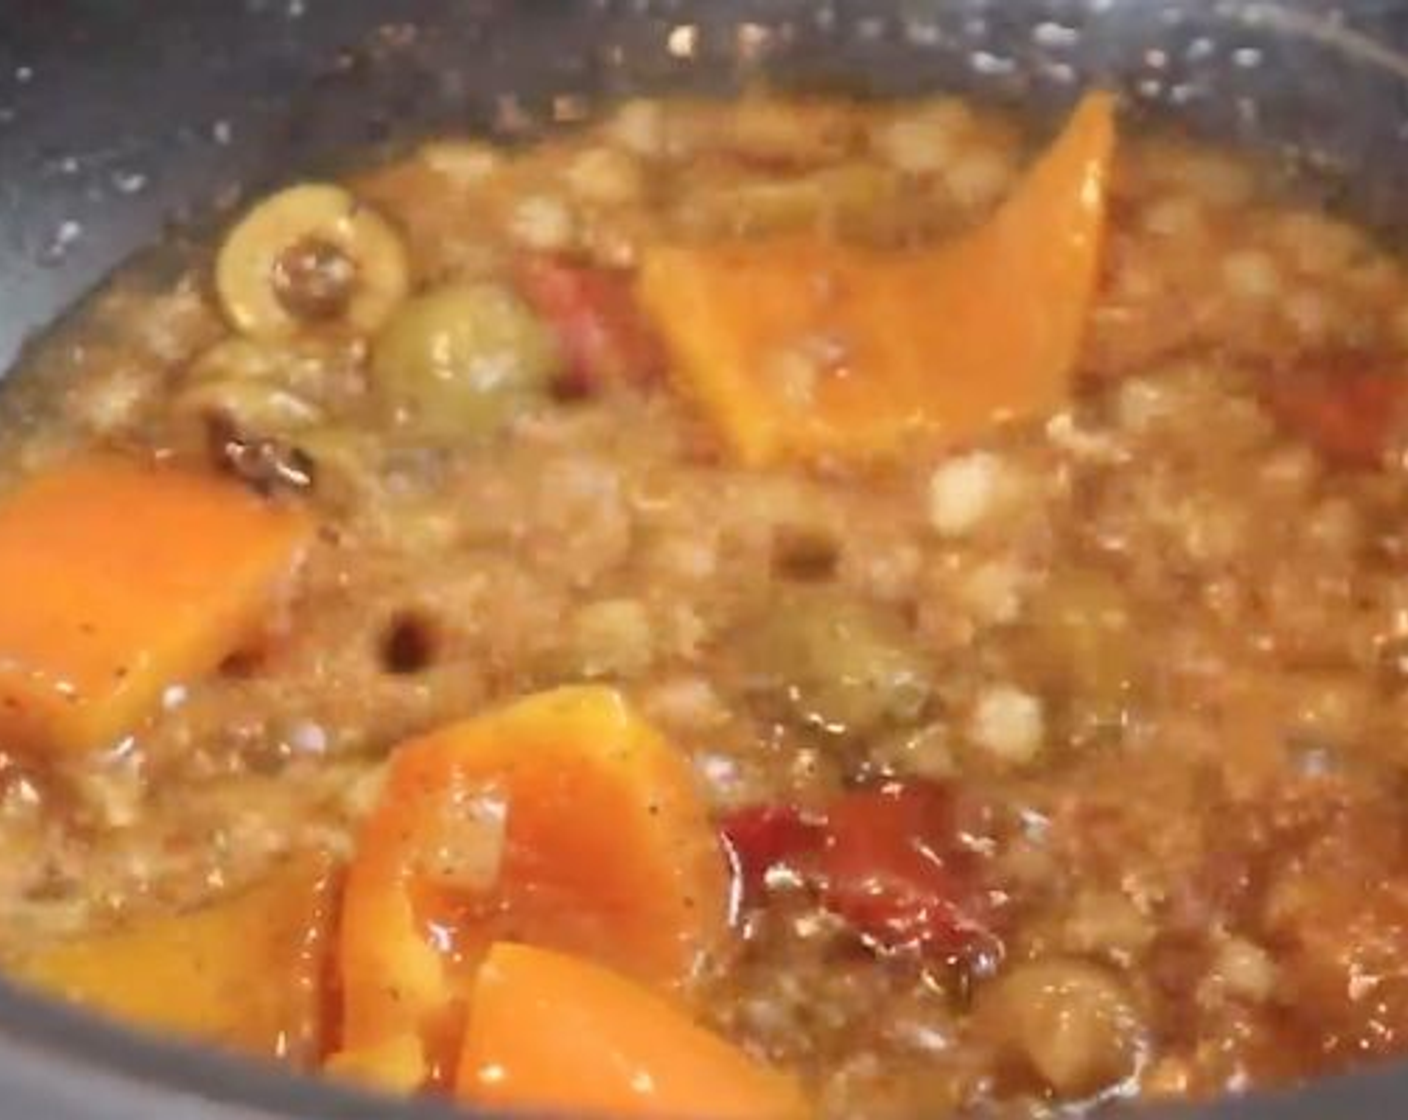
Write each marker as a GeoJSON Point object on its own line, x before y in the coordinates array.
{"type": "Point", "coordinates": [893, 868]}
{"type": "Point", "coordinates": [763, 837]}
{"type": "Point", "coordinates": [887, 860]}
{"type": "Point", "coordinates": [1349, 415]}
{"type": "Point", "coordinates": [604, 336]}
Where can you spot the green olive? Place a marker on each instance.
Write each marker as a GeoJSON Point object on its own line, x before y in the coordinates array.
{"type": "Point", "coordinates": [1081, 643]}
{"type": "Point", "coordinates": [312, 254]}
{"type": "Point", "coordinates": [460, 361]}
{"type": "Point", "coordinates": [836, 663]}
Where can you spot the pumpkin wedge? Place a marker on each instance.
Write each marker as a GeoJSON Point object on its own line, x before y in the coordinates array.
{"type": "Point", "coordinates": [246, 972]}
{"type": "Point", "coordinates": [804, 347]}
{"type": "Point", "coordinates": [553, 1033]}
{"type": "Point", "coordinates": [121, 578]}
{"type": "Point", "coordinates": [563, 820]}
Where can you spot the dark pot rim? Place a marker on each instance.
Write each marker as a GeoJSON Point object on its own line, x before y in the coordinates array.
{"type": "Point", "coordinates": [59, 1064]}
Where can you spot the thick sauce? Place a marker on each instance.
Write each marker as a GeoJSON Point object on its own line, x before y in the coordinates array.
{"type": "Point", "coordinates": [1135, 674]}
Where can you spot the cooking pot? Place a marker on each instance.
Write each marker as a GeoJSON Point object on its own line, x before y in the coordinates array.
{"type": "Point", "coordinates": [117, 119]}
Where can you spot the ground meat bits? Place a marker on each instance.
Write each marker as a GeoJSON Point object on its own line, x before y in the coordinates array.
{"type": "Point", "coordinates": [1060, 768]}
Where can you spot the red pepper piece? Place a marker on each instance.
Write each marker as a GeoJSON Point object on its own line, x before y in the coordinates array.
{"type": "Point", "coordinates": [763, 837]}
{"type": "Point", "coordinates": [1350, 415]}
{"type": "Point", "coordinates": [888, 860]}
{"type": "Point", "coordinates": [894, 869]}
{"type": "Point", "coordinates": [604, 336]}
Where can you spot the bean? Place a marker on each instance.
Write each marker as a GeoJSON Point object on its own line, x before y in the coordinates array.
{"type": "Point", "coordinates": [1072, 1022]}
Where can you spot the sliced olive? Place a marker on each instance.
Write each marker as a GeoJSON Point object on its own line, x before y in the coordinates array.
{"type": "Point", "coordinates": [460, 361]}
{"type": "Point", "coordinates": [311, 255]}
{"type": "Point", "coordinates": [835, 662]}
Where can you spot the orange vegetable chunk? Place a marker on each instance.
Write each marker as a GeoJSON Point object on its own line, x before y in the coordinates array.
{"type": "Point", "coordinates": [564, 820]}
{"type": "Point", "coordinates": [120, 579]}
{"type": "Point", "coordinates": [397, 1064]}
{"type": "Point", "coordinates": [554, 1033]}
{"type": "Point", "coordinates": [803, 347]}
{"type": "Point", "coordinates": [246, 972]}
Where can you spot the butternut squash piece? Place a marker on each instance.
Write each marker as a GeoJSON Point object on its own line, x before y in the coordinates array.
{"type": "Point", "coordinates": [397, 1064]}
{"type": "Point", "coordinates": [563, 820]}
{"type": "Point", "coordinates": [120, 579]}
{"type": "Point", "coordinates": [802, 347]}
{"type": "Point", "coordinates": [556, 1034]}
{"type": "Point", "coordinates": [246, 972]}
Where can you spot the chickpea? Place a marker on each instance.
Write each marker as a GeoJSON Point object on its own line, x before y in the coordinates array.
{"type": "Point", "coordinates": [461, 360]}
{"type": "Point", "coordinates": [1071, 1021]}
{"type": "Point", "coordinates": [311, 256]}
{"type": "Point", "coordinates": [466, 163]}
{"type": "Point", "coordinates": [821, 199]}
{"type": "Point", "coordinates": [607, 177]}
{"type": "Point", "coordinates": [611, 638]}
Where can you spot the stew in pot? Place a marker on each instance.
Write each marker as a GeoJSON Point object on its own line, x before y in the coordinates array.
{"type": "Point", "coordinates": [760, 609]}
